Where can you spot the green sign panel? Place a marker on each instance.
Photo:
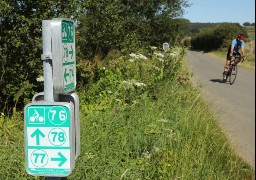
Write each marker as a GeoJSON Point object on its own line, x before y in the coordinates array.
{"type": "Point", "coordinates": [63, 52]}
{"type": "Point", "coordinates": [67, 29]}
{"type": "Point", "coordinates": [49, 135]}
{"type": "Point", "coordinates": [68, 44]}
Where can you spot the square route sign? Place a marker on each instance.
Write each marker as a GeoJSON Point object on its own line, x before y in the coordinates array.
{"type": "Point", "coordinates": [49, 138]}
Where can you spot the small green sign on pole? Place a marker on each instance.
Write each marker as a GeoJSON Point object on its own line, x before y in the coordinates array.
{"type": "Point", "coordinates": [68, 44]}
{"type": "Point", "coordinates": [49, 138]}
{"type": "Point", "coordinates": [63, 55]}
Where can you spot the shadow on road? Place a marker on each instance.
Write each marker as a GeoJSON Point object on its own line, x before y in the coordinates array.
{"type": "Point", "coordinates": [217, 80]}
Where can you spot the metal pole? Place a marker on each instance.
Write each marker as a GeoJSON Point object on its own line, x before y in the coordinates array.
{"type": "Point", "coordinates": [49, 95]}
{"type": "Point", "coordinates": [53, 178]}
{"type": "Point", "coordinates": [47, 61]}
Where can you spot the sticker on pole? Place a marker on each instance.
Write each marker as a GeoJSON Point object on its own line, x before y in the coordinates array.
{"type": "Point", "coordinates": [49, 139]}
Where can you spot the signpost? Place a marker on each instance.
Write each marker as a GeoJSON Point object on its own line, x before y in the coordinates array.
{"type": "Point", "coordinates": [52, 126]}
{"type": "Point", "coordinates": [49, 139]}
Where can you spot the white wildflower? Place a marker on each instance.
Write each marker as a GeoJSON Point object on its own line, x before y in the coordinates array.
{"type": "Point", "coordinates": [172, 135]}
{"type": "Point", "coordinates": [138, 56]}
{"type": "Point", "coordinates": [138, 84]}
{"type": "Point", "coordinates": [159, 54]}
{"type": "Point", "coordinates": [146, 155]}
{"type": "Point", "coordinates": [156, 68]}
{"type": "Point", "coordinates": [131, 60]}
{"type": "Point", "coordinates": [133, 55]}
{"type": "Point", "coordinates": [153, 47]}
{"type": "Point", "coordinates": [109, 92]}
{"type": "Point", "coordinates": [156, 149]}
{"type": "Point", "coordinates": [142, 56]}
{"type": "Point", "coordinates": [172, 54]}
{"type": "Point", "coordinates": [161, 59]}
{"type": "Point", "coordinates": [40, 79]}
{"type": "Point", "coordinates": [133, 83]}
{"type": "Point", "coordinates": [128, 82]}
{"type": "Point", "coordinates": [89, 155]}
{"type": "Point", "coordinates": [135, 102]}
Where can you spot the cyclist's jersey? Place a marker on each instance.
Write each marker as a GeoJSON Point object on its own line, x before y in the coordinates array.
{"type": "Point", "coordinates": [237, 45]}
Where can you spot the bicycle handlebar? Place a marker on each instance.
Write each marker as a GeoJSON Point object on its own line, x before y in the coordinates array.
{"type": "Point", "coordinates": [239, 57]}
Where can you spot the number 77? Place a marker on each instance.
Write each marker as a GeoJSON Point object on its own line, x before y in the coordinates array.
{"type": "Point", "coordinates": [37, 156]}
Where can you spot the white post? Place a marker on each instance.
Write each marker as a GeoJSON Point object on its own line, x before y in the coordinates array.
{"type": "Point", "coordinates": [165, 46]}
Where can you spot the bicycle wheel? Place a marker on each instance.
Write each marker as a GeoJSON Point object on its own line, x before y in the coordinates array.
{"type": "Point", "coordinates": [232, 75]}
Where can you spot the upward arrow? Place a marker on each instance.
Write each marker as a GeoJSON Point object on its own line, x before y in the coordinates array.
{"type": "Point", "coordinates": [37, 133]}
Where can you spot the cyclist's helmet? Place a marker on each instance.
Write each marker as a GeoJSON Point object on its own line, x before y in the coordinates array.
{"type": "Point", "coordinates": [240, 36]}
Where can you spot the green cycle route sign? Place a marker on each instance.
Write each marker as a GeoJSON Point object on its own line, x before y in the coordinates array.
{"type": "Point", "coordinates": [49, 139]}
{"type": "Point", "coordinates": [68, 44]}
{"type": "Point", "coordinates": [64, 55]}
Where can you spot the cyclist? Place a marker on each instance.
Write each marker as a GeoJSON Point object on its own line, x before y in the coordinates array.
{"type": "Point", "coordinates": [233, 50]}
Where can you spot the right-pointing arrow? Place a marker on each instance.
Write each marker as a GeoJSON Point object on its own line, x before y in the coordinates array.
{"type": "Point", "coordinates": [61, 158]}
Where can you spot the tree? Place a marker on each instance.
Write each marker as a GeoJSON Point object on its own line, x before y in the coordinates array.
{"type": "Point", "coordinates": [246, 24]}
{"type": "Point", "coordinates": [121, 23]}
{"type": "Point", "coordinates": [21, 47]}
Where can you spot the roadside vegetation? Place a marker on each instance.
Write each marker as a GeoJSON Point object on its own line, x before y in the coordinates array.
{"type": "Point", "coordinates": [141, 118]}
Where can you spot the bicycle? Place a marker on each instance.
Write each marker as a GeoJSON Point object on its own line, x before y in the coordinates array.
{"type": "Point", "coordinates": [232, 70]}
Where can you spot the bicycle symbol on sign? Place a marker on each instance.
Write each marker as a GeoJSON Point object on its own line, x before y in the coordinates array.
{"type": "Point", "coordinates": [36, 117]}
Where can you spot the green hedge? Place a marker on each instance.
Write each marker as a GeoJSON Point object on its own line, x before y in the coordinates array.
{"type": "Point", "coordinates": [217, 37]}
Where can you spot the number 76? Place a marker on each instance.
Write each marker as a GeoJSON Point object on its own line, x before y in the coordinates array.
{"type": "Point", "coordinates": [62, 114]}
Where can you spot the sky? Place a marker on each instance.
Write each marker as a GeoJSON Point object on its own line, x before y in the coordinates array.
{"type": "Point", "coordinates": [213, 11]}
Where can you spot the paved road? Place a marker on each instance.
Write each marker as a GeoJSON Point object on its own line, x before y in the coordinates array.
{"type": "Point", "coordinates": [234, 104]}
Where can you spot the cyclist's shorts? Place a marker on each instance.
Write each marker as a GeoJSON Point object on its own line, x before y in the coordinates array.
{"type": "Point", "coordinates": [234, 54]}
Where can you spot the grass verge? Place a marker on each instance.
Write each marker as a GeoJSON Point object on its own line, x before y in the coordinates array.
{"type": "Point", "coordinates": [171, 136]}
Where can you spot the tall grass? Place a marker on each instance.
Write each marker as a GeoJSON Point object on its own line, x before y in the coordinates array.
{"type": "Point", "coordinates": [171, 138]}
{"type": "Point", "coordinates": [163, 130]}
